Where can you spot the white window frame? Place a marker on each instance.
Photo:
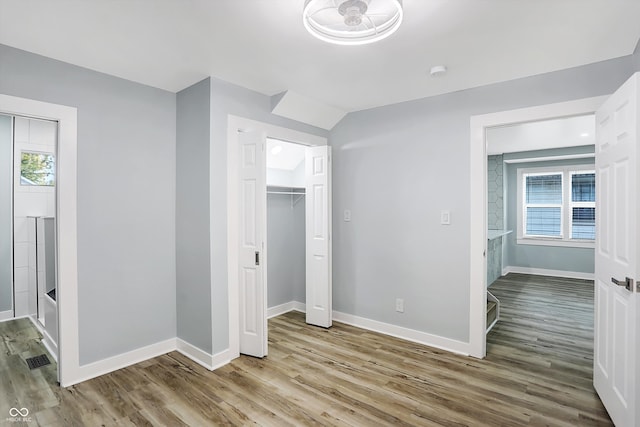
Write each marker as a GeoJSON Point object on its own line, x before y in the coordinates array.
{"type": "Point", "coordinates": [565, 238]}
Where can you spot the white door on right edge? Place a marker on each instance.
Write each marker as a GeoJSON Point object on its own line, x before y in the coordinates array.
{"type": "Point", "coordinates": [616, 374]}
{"type": "Point", "coordinates": [318, 232]}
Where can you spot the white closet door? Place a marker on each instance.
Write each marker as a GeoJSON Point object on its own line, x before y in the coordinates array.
{"type": "Point", "coordinates": [318, 236]}
{"type": "Point", "coordinates": [252, 292]}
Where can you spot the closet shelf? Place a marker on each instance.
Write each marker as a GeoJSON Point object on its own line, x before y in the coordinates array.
{"type": "Point", "coordinates": [288, 191]}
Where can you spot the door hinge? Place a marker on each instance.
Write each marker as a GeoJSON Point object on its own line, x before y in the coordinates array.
{"type": "Point", "coordinates": [257, 258]}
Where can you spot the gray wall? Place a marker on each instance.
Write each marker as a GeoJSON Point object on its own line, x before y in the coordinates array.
{"type": "Point", "coordinates": [286, 250]}
{"type": "Point", "coordinates": [548, 257]}
{"type": "Point", "coordinates": [6, 214]}
{"type": "Point", "coordinates": [126, 199]}
{"type": "Point", "coordinates": [226, 99]}
{"type": "Point", "coordinates": [396, 168]}
{"type": "Point", "coordinates": [193, 286]}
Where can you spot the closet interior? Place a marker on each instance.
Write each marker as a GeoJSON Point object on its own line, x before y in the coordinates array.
{"type": "Point", "coordinates": [286, 267]}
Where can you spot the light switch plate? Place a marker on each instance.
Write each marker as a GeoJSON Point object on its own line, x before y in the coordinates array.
{"type": "Point", "coordinates": [445, 217]}
{"type": "Point", "coordinates": [347, 215]}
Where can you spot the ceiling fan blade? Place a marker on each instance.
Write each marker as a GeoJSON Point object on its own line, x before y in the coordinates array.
{"type": "Point", "coordinates": [321, 10]}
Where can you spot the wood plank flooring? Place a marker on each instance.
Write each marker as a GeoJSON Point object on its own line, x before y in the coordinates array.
{"type": "Point", "coordinates": [539, 374]}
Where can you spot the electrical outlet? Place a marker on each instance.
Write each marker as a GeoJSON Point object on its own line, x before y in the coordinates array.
{"type": "Point", "coordinates": [399, 305]}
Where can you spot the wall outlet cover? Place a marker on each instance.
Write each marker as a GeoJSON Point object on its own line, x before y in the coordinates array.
{"type": "Point", "coordinates": [445, 217]}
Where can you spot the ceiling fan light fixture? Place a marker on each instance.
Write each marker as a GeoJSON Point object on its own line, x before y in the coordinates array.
{"type": "Point", "coordinates": [352, 22]}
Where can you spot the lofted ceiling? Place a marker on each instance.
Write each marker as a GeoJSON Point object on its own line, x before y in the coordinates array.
{"type": "Point", "coordinates": [262, 44]}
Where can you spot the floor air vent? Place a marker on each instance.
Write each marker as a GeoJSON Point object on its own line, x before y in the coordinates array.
{"type": "Point", "coordinates": [38, 361]}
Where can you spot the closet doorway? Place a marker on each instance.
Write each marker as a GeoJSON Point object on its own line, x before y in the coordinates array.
{"type": "Point", "coordinates": [305, 188]}
{"type": "Point", "coordinates": [286, 188]}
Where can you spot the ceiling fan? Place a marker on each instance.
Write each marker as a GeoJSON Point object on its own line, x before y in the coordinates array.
{"type": "Point", "coordinates": [352, 22]}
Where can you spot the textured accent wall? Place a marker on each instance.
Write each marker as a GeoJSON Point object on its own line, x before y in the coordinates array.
{"type": "Point", "coordinates": [495, 194]}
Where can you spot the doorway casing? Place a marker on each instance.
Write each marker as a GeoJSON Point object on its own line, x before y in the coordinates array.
{"type": "Point", "coordinates": [478, 202]}
{"type": "Point", "coordinates": [234, 125]}
{"type": "Point", "coordinates": [69, 370]}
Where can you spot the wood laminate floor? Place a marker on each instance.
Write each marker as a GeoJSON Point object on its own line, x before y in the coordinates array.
{"type": "Point", "coordinates": [537, 372]}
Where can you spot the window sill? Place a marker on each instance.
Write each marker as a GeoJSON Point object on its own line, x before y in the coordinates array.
{"type": "Point", "coordinates": [556, 242]}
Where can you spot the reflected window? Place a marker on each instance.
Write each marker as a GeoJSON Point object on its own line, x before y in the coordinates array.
{"type": "Point", "coordinates": [37, 169]}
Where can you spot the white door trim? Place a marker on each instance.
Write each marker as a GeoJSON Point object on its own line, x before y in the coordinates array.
{"type": "Point", "coordinates": [66, 215]}
{"type": "Point", "coordinates": [478, 205]}
{"type": "Point", "coordinates": [235, 123]}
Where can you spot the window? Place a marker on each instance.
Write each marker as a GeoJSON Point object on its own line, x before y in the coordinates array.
{"type": "Point", "coordinates": [37, 169]}
{"type": "Point", "coordinates": [557, 206]}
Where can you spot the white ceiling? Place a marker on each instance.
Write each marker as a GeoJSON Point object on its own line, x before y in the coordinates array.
{"type": "Point", "coordinates": [262, 44]}
{"type": "Point", "coordinates": [289, 158]}
{"type": "Point", "coordinates": [565, 132]}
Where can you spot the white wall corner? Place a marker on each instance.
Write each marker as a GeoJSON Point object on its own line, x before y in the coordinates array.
{"type": "Point", "coordinates": [285, 308]}
{"type": "Point", "coordinates": [307, 110]}
{"type": "Point", "coordinates": [201, 357]}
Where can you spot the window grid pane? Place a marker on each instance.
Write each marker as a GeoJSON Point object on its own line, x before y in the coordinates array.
{"type": "Point", "coordinates": [544, 221]}
{"type": "Point", "coordinates": [544, 189]}
{"type": "Point", "coordinates": [583, 187]}
{"type": "Point", "coordinates": [583, 224]}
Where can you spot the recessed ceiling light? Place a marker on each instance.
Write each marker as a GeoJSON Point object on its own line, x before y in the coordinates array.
{"type": "Point", "coordinates": [276, 150]}
{"type": "Point", "coordinates": [352, 22]}
{"type": "Point", "coordinates": [438, 70]}
{"type": "Point", "coordinates": [584, 134]}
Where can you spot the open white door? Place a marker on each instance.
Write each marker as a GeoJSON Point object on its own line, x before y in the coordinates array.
{"type": "Point", "coordinates": [616, 374]}
{"type": "Point", "coordinates": [318, 232]}
{"type": "Point", "coordinates": [252, 293]}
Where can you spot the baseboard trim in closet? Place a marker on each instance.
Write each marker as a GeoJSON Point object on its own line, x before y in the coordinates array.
{"type": "Point", "coordinates": [6, 315]}
{"type": "Point", "coordinates": [419, 337]}
{"type": "Point", "coordinates": [285, 308]}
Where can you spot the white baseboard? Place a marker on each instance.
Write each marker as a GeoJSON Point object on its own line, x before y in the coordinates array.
{"type": "Point", "coordinates": [285, 308]}
{"type": "Point", "coordinates": [101, 367]}
{"type": "Point", "coordinates": [383, 328]}
{"type": "Point", "coordinates": [47, 341]}
{"type": "Point", "coordinates": [547, 272]}
{"type": "Point", "coordinates": [6, 315]}
{"type": "Point", "coordinates": [201, 357]}
{"type": "Point", "coordinates": [194, 353]}
{"type": "Point", "coordinates": [419, 337]}
{"type": "Point", "coordinates": [222, 358]}
{"type": "Point", "coordinates": [218, 360]}
{"type": "Point", "coordinates": [50, 345]}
